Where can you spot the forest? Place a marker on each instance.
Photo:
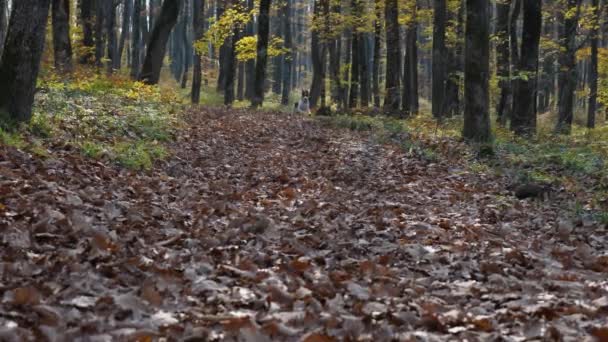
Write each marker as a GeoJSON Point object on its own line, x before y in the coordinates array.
{"type": "Point", "coordinates": [303, 170]}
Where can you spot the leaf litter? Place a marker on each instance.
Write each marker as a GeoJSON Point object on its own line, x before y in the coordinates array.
{"type": "Point", "coordinates": [267, 227]}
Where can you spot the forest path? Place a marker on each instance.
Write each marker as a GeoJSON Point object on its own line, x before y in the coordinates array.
{"type": "Point", "coordinates": [268, 226]}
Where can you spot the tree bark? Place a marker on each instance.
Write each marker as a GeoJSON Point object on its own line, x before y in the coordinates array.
{"type": "Point", "coordinates": [3, 23]}
{"type": "Point", "coordinates": [197, 73]}
{"type": "Point", "coordinates": [503, 61]}
{"type": "Point", "coordinates": [477, 72]}
{"type": "Point", "coordinates": [62, 46]}
{"type": "Point", "coordinates": [262, 53]}
{"type": "Point", "coordinates": [100, 15]}
{"type": "Point", "coordinates": [410, 68]}
{"type": "Point", "coordinates": [523, 121]}
{"type": "Point", "coordinates": [150, 73]}
{"type": "Point", "coordinates": [317, 56]}
{"type": "Point", "coordinates": [250, 64]}
{"type": "Point", "coordinates": [136, 40]}
{"type": "Point", "coordinates": [439, 62]}
{"type": "Point", "coordinates": [20, 63]}
{"type": "Point", "coordinates": [393, 60]}
{"type": "Point", "coordinates": [126, 23]}
{"type": "Point", "coordinates": [88, 39]}
{"type": "Point", "coordinates": [286, 22]}
{"type": "Point", "coordinates": [377, 53]}
{"type": "Point", "coordinates": [364, 69]}
{"type": "Point", "coordinates": [354, 71]}
{"type": "Point", "coordinates": [567, 66]}
{"type": "Point", "coordinates": [112, 43]}
{"type": "Point", "coordinates": [593, 66]}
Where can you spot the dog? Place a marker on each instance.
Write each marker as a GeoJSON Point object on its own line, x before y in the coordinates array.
{"type": "Point", "coordinates": [303, 106]}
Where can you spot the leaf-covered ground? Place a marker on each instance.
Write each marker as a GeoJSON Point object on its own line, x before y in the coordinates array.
{"type": "Point", "coordinates": [272, 227]}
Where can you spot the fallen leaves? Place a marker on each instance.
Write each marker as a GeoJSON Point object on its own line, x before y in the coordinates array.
{"type": "Point", "coordinates": [266, 227]}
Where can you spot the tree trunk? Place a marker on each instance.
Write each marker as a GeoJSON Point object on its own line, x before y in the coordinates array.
{"type": "Point", "coordinates": [286, 22]}
{"type": "Point", "coordinates": [567, 67]}
{"type": "Point", "coordinates": [354, 71]}
{"type": "Point", "coordinates": [364, 69]}
{"type": "Point", "coordinates": [198, 25]}
{"type": "Point", "coordinates": [250, 64]}
{"type": "Point", "coordinates": [150, 73]}
{"type": "Point", "coordinates": [439, 62]}
{"type": "Point", "coordinates": [477, 72]}
{"type": "Point", "coordinates": [317, 56]}
{"type": "Point", "coordinates": [136, 40]}
{"type": "Point", "coordinates": [240, 87]}
{"type": "Point", "coordinates": [62, 46]}
{"type": "Point", "coordinates": [126, 23]}
{"type": "Point", "coordinates": [100, 16]}
{"type": "Point", "coordinates": [593, 72]}
{"type": "Point", "coordinates": [87, 23]}
{"type": "Point", "coordinates": [110, 21]}
{"type": "Point", "coordinates": [393, 58]}
{"type": "Point", "coordinates": [20, 64]}
{"type": "Point", "coordinates": [3, 23]}
{"type": "Point", "coordinates": [523, 121]}
{"type": "Point", "coordinates": [377, 53]}
{"type": "Point", "coordinates": [503, 61]}
{"type": "Point", "coordinates": [410, 68]}
{"type": "Point", "coordinates": [221, 77]}
{"type": "Point", "coordinates": [262, 53]}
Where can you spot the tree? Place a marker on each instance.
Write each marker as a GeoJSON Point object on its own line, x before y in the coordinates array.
{"type": "Point", "coordinates": [286, 22]}
{"type": "Point", "coordinates": [87, 24]}
{"type": "Point", "coordinates": [477, 72]}
{"type": "Point", "coordinates": [21, 59]}
{"type": "Point", "coordinates": [410, 65]}
{"type": "Point", "coordinates": [262, 53]}
{"type": "Point", "coordinates": [503, 71]}
{"type": "Point", "coordinates": [3, 23]}
{"type": "Point", "coordinates": [593, 67]}
{"type": "Point", "coordinates": [62, 45]}
{"type": "Point", "coordinates": [197, 73]}
{"type": "Point", "coordinates": [567, 78]}
{"type": "Point", "coordinates": [250, 64]}
{"type": "Point", "coordinates": [393, 58]}
{"type": "Point", "coordinates": [126, 23]}
{"type": "Point", "coordinates": [377, 52]}
{"type": "Point", "coordinates": [318, 56]}
{"type": "Point", "coordinates": [523, 120]}
{"type": "Point", "coordinates": [150, 72]}
{"type": "Point", "coordinates": [136, 40]}
{"type": "Point", "coordinates": [439, 62]}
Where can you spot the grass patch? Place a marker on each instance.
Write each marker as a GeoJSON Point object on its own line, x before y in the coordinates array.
{"type": "Point", "coordinates": [104, 116]}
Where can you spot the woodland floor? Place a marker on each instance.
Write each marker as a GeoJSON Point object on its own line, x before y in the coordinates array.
{"type": "Point", "coordinates": [273, 227]}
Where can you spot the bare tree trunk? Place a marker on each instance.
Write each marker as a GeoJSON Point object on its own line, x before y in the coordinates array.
{"type": "Point", "coordinates": [286, 22]}
{"type": "Point", "coordinates": [150, 73]}
{"type": "Point", "coordinates": [317, 56]}
{"type": "Point", "coordinates": [62, 45]}
{"type": "Point", "coordinates": [523, 121]}
{"type": "Point", "coordinates": [126, 23]}
{"type": "Point", "coordinates": [20, 63]}
{"type": "Point", "coordinates": [410, 68]}
{"type": "Point", "coordinates": [136, 40]}
{"type": "Point", "coordinates": [593, 72]}
{"type": "Point", "coordinates": [111, 36]}
{"type": "Point", "coordinates": [250, 64]}
{"type": "Point", "coordinates": [3, 23]}
{"type": "Point", "coordinates": [377, 53]}
{"type": "Point", "coordinates": [567, 67]}
{"type": "Point", "coordinates": [393, 60]}
{"type": "Point", "coordinates": [439, 62]}
{"type": "Point", "coordinates": [262, 53]}
{"type": "Point", "coordinates": [197, 74]}
{"type": "Point", "coordinates": [503, 61]}
{"type": "Point", "coordinates": [477, 72]}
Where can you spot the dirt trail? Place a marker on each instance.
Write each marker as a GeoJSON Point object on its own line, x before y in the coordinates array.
{"type": "Point", "coordinates": [271, 227]}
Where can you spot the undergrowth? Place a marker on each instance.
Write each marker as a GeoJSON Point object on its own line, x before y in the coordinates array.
{"type": "Point", "coordinates": [104, 117]}
{"type": "Point", "coordinates": [576, 162]}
